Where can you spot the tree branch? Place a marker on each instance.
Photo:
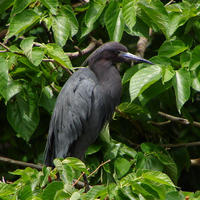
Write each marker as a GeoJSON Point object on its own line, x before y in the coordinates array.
{"type": "Point", "coordinates": [189, 144]}
{"type": "Point", "coordinates": [142, 45]}
{"type": "Point", "coordinates": [99, 167]}
{"type": "Point", "coordinates": [179, 119]}
{"type": "Point", "coordinates": [21, 163]}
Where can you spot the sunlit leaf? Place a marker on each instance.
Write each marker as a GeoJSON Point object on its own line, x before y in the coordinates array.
{"type": "Point", "coordinates": [19, 6]}
{"type": "Point", "coordinates": [114, 21]}
{"type": "Point", "coordinates": [57, 53]}
{"type": "Point", "coordinates": [143, 79]}
{"type": "Point", "coordinates": [172, 48]}
{"type": "Point", "coordinates": [51, 5]}
{"type": "Point", "coordinates": [21, 22]}
{"type": "Point", "coordinates": [129, 13]}
{"type": "Point", "coordinates": [181, 84]}
{"type": "Point", "coordinates": [158, 177]}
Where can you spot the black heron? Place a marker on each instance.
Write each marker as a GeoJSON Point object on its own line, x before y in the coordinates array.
{"type": "Point", "coordinates": [86, 102]}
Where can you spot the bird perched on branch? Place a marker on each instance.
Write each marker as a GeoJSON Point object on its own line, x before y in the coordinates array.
{"type": "Point", "coordinates": [86, 102]}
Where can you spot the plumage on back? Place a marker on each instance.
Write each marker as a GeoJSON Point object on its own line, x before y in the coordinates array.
{"type": "Point", "coordinates": [73, 116]}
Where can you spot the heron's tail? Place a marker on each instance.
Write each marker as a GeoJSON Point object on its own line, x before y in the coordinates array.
{"type": "Point", "coordinates": [49, 153]}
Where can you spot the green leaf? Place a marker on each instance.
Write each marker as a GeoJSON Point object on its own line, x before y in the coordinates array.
{"type": "Point", "coordinates": [19, 6]}
{"type": "Point", "coordinates": [61, 27]}
{"type": "Point", "coordinates": [156, 11]}
{"type": "Point", "coordinates": [51, 5]}
{"type": "Point", "coordinates": [75, 163]}
{"type": "Point", "coordinates": [195, 60]}
{"type": "Point", "coordinates": [172, 48]}
{"type": "Point", "coordinates": [25, 193]}
{"type": "Point", "coordinates": [152, 92]}
{"type": "Point", "coordinates": [5, 4]}
{"type": "Point", "coordinates": [129, 73]}
{"type": "Point", "coordinates": [143, 79]}
{"type": "Point", "coordinates": [185, 58]}
{"type": "Point", "coordinates": [181, 84]}
{"type": "Point", "coordinates": [8, 87]}
{"type": "Point", "coordinates": [129, 12]}
{"type": "Point", "coordinates": [121, 166]}
{"type": "Point", "coordinates": [6, 189]}
{"type": "Point", "coordinates": [140, 29]}
{"type": "Point", "coordinates": [61, 195]}
{"type": "Point", "coordinates": [65, 171]}
{"type": "Point", "coordinates": [23, 114]}
{"type": "Point", "coordinates": [167, 74]}
{"type": "Point", "coordinates": [73, 23]}
{"type": "Point", "coordinates": [94, 11]}
{"type": "Point", "coordinates": [95, 192]}
{"type": "Point", "coordinates": [114, 21]}
{"type": "Point", "coordinates": [174, 195]}
{"type": "Point", "coordinates": [37, 55]}
{"type": "Point", "coordinates": [47, 99]}
{"type": "Point", "coordinates": [149, 162]}
{"type": "Point", "coordinates": [158, 177]}
{"type": "Point", "coordinates": [34, 54]}
{"type": "Point", "coordinates": [75, 196]}
{"type": "Point", "coordinates": [21, 22]}
{"type": "Point", "coordinates": [26, 45]}
{"type": "Point", "coordinates": [196, 80]}
{"type": "Point", "coordinates": [57, 53]}
{"type": "Point", "coordinates": [93, 149]}
{"type": "Point", "coordinates": [51, 189]}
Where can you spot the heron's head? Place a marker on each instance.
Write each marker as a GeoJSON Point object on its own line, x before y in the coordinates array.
{"type": "Point", "coordinates": [114, 52]}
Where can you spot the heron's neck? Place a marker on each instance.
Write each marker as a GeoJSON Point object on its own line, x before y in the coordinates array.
{"type": "Point", "coordinates": [104, 70]}
{"type": "Point", "coordinates": [109, 78]}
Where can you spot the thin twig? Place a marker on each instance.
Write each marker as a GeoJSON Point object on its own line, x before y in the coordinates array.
{"type": "Point", "coordinates": [99, 167]}
{"type": "Point", "coordinates": [79, 178]}
{"type": "Point", "coordinates": [4, 46]}
{"type": "Point", "coordinates": [21, 163]}
{"type": "Point", "coordinates": [159, 123]}
{"type": "Point", "coordinates": [170, 2]}
{"type": "Point", "coordinates": [190, 144]}
{"type": "Point", "coordinates": [179, 119]}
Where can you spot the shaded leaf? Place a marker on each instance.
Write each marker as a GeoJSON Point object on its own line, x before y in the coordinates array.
{"type": "Point", "coordinates": [121, 166]}
{"type": "Point", "coordinates": [47, 99]}
{"type": "Point", "coordinates": [51, 189]}
{"type": "Point", "coordinates": [23, 114]}
{"type": "Point", "coordinates": [8, 87]}
{"type": "Point", "coordinates": [5, 4]}
{"type": "Point", "coordinates": [195, 60]}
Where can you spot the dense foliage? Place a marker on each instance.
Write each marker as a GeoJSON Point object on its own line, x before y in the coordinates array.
{"type": "Point", "coordinates": [37, 38]}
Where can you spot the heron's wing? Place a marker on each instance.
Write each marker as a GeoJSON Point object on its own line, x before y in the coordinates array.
{"type": "Point", "coordinates": [72, 113]}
